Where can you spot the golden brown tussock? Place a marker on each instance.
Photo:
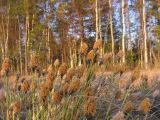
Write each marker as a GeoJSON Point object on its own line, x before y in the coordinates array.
{"type": "Point", "coordinates": [62, 69]}
{"type": "Point", "coordinates": [80, 71]}
{"type": "Point", "coordinates": [43, 93]}
{"type": "Point", "coordinates": [136, 74]}
{"type": "Point", "coordinates": [15, 106]}
{"type": "Point", "coordinates": [56, 97]}
{"type": "Point", "coordinates": [118, 95]}
{"type": "Point", "coordinates": [50, 77]}
{"type": "Point", "coordinates": [97, 44]}
{"type": "Point", "coordinates": [64, 89]}
{"type": "Point", "coordinates": [5, 67]}
{"type": "Point", "coordinates": [6, 64]}
{"type": "Point", "coordinates": [118, 116]}
{"type": "Point", "coordinates": [25, 86]}
{"type": "Point", "coordinates": [107, 57]}
{"type": "Point", "coordinates": [145, 105]}
{"type": "Point", "coordinates": [120, 54]}
{"type": "Point", "coordinates": [128, 107]}
{"type": "Point", "coordinates": [56, 63]}
{"type": "Point", "coordinates": [91, 55]}
{"type": "Point", "coordinates": [50, 69]}
{"type": "Point", "coordinates": [33, 85]}
{"type": "Point", "coordinates": [70, 74]}
{"type": "Point", "coordinates": [83, 48]}
{"type": "Point", "coordinates": [74, 86]}
{"type": "Point", "coordinates": [88, 92]}
{"type": "Point", "coordinates": [34, 60]}
{"type": "Point", "coordinates": [90, 107]}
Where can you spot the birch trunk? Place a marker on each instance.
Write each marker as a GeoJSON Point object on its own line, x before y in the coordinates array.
{"type": "Point", "coordinates": [111, 29]}
{"type": "Point", "coordinates": [123, 32]}
{"type": "Point", "coordinates": [129, 25]}
{"type": "Point", "coordinates": [20, 49]}
{"type": "Point", "coordinates": [144, 35]}
{"type": "Point", "coordinates": [97, 28]}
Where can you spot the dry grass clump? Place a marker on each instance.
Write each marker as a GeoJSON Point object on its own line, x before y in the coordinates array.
{"type": "Point", "coordinates": [107, 57]}
{"type": "Point", "coordinates": [24, 86]}
{"type": "Point", "coordinates": [5, 67]}
{"type": "Point", "coordinates": [118, 116]}
{"type": "Point", "coordinates": [56, 63]}
{"type": "Point", "coordinates": [43, 94]}
{"type": "Point", "coordinates": [118, 95]}
{"type": "Point", "coordinates": [64, 89]}
{"type": "Point", "coordinates": [62, 69]}
{"type": "Point", "coordinates": [90, 108]}
{"type": "Point", "coordinates": [80, 71]}
{"type": "Point", "coordinates": [97, 44]}
{"type": "Point", "coordinates": [57, 97]}
{"type": "Point", "coordinates": [15, 107]}
{"type": "Point", "coordinates": [50, 77]}
{"type": "Point", "coordinates": [120, 69]}
{"type": "Point", "coordinates": [91, 55]}
{"type": "Point", "coordinates": [136, 74]}
{"type": "Point", "coordinates": [33, 85]}
{"type": "Point", "coordinates": [15, 83]}
{"type": "Point", "coordinates": [88, 92]}
{"type": "Point", "coordinates": [83, 48]}
{"type": "Point", "coordinates": [74, 86]}
{"type": "Point", "coordinates": [128, 107]}
{"type": "Point", "coordinates": [34, 62]}
{"type": "Point", "coordinates": [120, 54]}
{"type": "Point", "coordinates": [145, 105]}
{"type": "Point", "coordinates": [156, 93]}
{"type": "Point", "coordinates": [50, 69]}
{"type": "Point", "coordinates": [69, 75]}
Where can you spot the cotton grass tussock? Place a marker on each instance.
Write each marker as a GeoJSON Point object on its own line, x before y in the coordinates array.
{"type": "Point", "coordinates": [43, 94]}
{"type": "Point", "coordinates": [62, 69]}
{"type": "Point", "coordinates": [136, 74]}
{"type": "Point", "coordinates": [90, 108]}
{"type": "Point", "coordinates": [15, 107]}
{"type": "Point", "coordinates": [145, 105]}
{"type": "Point", "coordinates": [120, 54]}
{"type": "Point", "coordinates": [88, 92]}
{"type": "Point", "coordinates": [50, 77]}
{"type": "Point", "coordinates": [107, 57]}
{"type": "Point", "coordinates": [74, 86]}
{"type": "Point", "coordinates": [128, 107]}
{"type": "Point", "coordinates": [56, 63]}
{"type": "Point", "coordinates": [156, 93]}
{"type": "Point", "coordinates": [49, 85]}
{"type": "Point", "coordinates": [97, 44]}
{"type": "Point", "coordinates": [118, 95]}
{"type": "Point", "coordinates": [33, 86]}
{"type": "Point", "coordinates": [64, 89]}
{"type": "Point", "coordinates": [50, 69]}
{"type": "Point", "coordinates": [83, 48]}
{"type": "Point", "coordinates": [5, 67]}
{"type": "Point", "coordinates": [34, 62]}
{"type": "Point", "coordinates": [69, 75]}
{"type": "Point", "coordinates": [25, 86]}
{"type": "Point", "coordinates": [91, 55]}
{"type": "Point", "coordinates": [118, 116]}
{"type": "Point", "coordinates": [56, 97]}
{"type": "Point", "coordinates": [80, 71]}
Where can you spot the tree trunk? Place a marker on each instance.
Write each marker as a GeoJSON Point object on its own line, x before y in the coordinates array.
{"type": "Point", "coordinates": [129, 25]}
{"type": "Point", "coordinates": [26, 46]}
{"type": "Point", "coordinates": [123, 32]}
{"type": "Point", "coordinates": [20, 49]}
{"type": "Point", "coordinates": [111, 29]}
{"type": "Point", "coordinates": [144, 35]}
{"type": "Point", "coordinates": [97, 28]}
